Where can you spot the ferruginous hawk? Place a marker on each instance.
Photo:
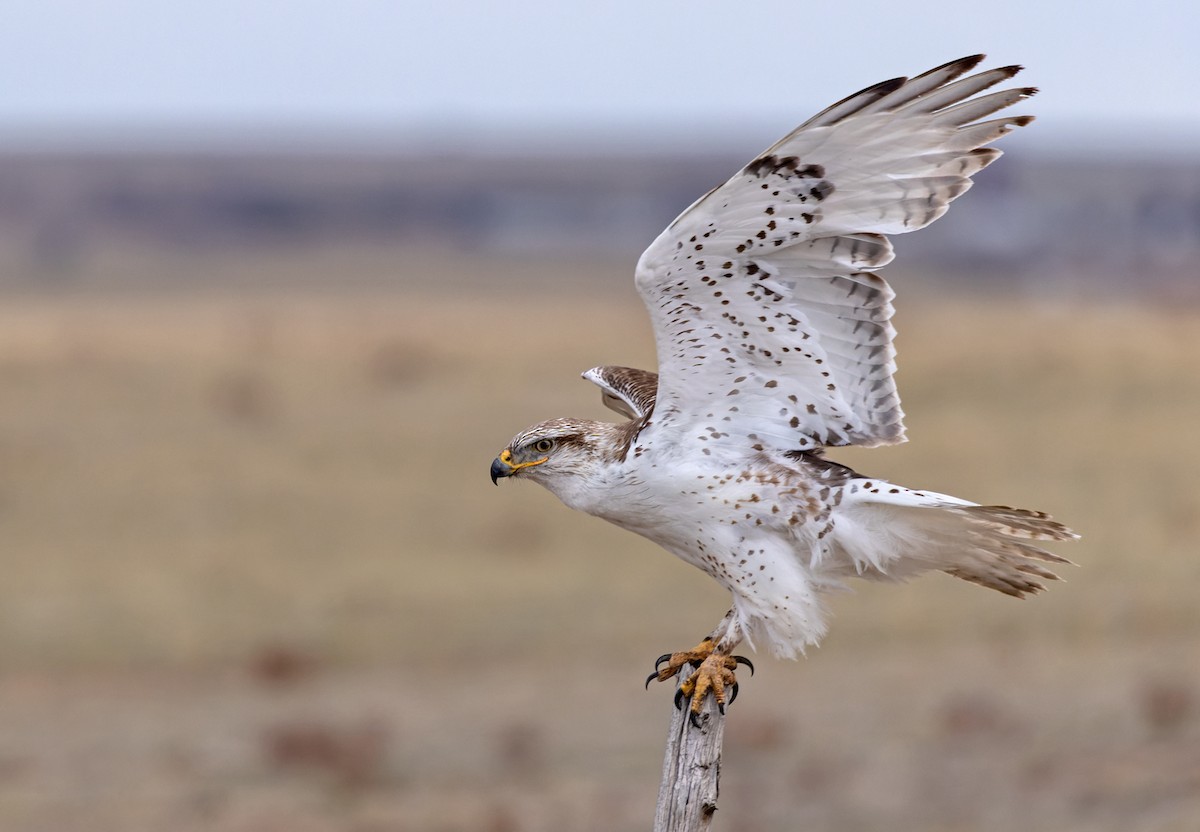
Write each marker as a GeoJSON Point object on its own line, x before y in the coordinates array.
{"type": "Point", "coordinates": [774, 342]}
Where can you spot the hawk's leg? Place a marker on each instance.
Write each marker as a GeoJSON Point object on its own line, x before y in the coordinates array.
{"type": "Point", "coordinates": [714, 665]}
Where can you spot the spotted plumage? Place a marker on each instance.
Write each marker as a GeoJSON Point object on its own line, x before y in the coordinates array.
{"type": "Point", "coordinates": [774, 340]}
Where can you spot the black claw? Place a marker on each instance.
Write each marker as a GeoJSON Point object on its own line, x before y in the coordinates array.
{"type": "Point", "coordinates": [745, 661]}
{"type": "Point", "coordinates": [695, 718]}
{"type": "Point", "coordinates": [651, 678]}
{"type": "Point", "coordinates": [721, 708]}
{"type": "Point", "coordinates": [733, 693]}
{"type": "Point", "coordinates": [679, 699]}
{"type": "Point", "coordinates": [665, 657]}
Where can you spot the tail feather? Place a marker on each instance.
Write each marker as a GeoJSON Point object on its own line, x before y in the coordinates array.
{"type": "Point", "coordinates": [897, 533]}
{"type": "Point", "coordinates": [1022, 523]}
{"type": "Point", "coordinates": [999, 558]}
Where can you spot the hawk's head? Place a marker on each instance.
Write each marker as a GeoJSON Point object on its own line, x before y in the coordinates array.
{"type": "Point", "coordinates": [550, 451]}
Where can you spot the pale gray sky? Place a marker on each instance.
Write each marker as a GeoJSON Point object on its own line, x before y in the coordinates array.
{"type": "Point", "coordinates": [82, 65]}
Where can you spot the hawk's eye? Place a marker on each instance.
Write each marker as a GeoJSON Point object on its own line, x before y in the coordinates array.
{"type": "Point", "coordinates": [543, 446]}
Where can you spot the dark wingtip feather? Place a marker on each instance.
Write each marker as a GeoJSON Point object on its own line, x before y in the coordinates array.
{"type": "Point", "coordinates": [960, 65]}
{"type": "Point", "coordinates": [859, 100]}
{"type": "Point", "coordinates": [1021, 121]}
{"type": "Point", "coordinates": [882, 88]}
{"type": "Point", "coordinates": [953, 69]}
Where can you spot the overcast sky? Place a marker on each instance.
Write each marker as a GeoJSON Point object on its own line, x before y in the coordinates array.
{"type": "Point", "coordinates": [74, 66]}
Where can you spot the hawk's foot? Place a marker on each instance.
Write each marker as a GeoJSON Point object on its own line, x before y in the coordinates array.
{"type": "Point", "coordinates": [714, 673]}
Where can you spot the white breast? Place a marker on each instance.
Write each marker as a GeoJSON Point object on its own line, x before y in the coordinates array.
{"type": "Point", "coordinates": [755, 536]}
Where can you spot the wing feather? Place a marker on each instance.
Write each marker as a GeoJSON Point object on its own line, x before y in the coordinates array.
{"type": "Point", "coordinates": [957, 91]}
{"type": "Point", "coordinates": [626, 390]}
{"type": "Point", "coordinates": [770, 322]}
{"type": "Point", "coordinates": [977, 108]}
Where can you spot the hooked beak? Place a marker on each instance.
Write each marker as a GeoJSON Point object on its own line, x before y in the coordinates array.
{"type": "Point", "coordinates": [500, 469]}
{"type": "Point", "coordinates": [503, 465]}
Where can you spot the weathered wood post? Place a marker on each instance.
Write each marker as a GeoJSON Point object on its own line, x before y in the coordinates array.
{"type": "Point", "coordinates": [687, 797]}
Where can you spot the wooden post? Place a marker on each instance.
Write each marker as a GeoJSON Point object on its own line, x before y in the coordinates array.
{"type": "Point", "coordinates": [687, 797]}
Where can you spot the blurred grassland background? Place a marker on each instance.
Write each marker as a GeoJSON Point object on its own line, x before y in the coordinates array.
{"type": "Point", "coordinates": [256, 576]}
{"type": "Point", "coordinates": [277, 281]}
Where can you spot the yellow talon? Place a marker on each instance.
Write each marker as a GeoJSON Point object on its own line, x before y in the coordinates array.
{"type": "Point", "coordinates": [714, 674]}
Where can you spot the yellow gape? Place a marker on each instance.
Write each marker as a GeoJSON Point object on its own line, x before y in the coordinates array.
{"type": "Point", "coordinates": [506, 458]}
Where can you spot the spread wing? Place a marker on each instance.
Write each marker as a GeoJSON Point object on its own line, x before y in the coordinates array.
{"type": "Point", "coordinates": [769, 320]}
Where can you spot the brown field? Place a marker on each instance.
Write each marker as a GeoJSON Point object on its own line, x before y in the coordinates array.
{"type": "Point", "coordinates": [256, 578]}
